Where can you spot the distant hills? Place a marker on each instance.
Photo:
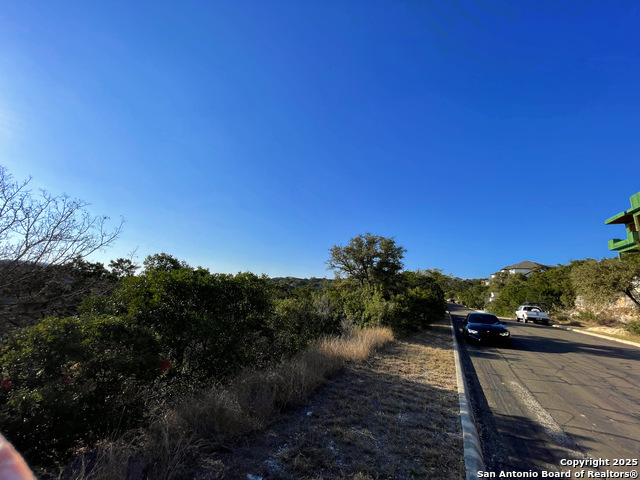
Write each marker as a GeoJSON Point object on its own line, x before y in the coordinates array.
{"type": "Point", "coordinates": [295, 282]}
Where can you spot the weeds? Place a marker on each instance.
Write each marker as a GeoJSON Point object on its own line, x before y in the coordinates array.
{"type": "Point", "coordinates": [586, 315]}
{"type": "Point", "coordinates": [395, 415]}
{"type": "Point", "coordinates": [633, 327]}
{"type": "Point", "coordinates": [169, 447]}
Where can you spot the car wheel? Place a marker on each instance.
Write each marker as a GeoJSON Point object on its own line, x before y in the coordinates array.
{"type": "Point", "coordinates": [525, 320]}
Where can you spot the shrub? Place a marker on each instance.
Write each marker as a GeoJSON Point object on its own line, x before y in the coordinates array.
{"type": "Point", "coordinates": [74, 379]}
{"type": "Point", "coordinates": [418, 300]}
{"type": "Point", "coordinates": [633, 327]}
{"type": "Point", "coordinates": [416, 310]}
{"type": "Point", "coordinates": [302, 318]}
{"type": "Point", "coordinates": [361, 306]}
{"type": "Point", "coordinates": [211, 325]}
{"type": "Point", "coordinates": [562, 317]}
{"type": "Point", "coordinates": [586, 315]}
{"type": "Point", "coordinates": [220, 415]}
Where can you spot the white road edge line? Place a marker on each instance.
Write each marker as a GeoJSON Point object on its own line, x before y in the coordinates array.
{"type": "Point", "coordinates": [471, 442]}
{"type": "Point", "coordinates": [544, 419]}
{"type": "Point", "coordinates": [634, 344]}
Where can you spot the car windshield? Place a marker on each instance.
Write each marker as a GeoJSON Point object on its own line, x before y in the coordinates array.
{"type": "Point", "coordinates": [489, 319]}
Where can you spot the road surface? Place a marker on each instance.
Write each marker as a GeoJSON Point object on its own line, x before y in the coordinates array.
{"type": "Point", "coordinates": [555, 395]}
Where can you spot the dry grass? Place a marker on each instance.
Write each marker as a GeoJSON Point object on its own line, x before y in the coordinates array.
{"type": "Point", "coordinates": [213, 419]}
{"type": "Point", "coordinates": [356, 345]}
{"type": "Point", "coordinates": [252, 399]}
{"type": "Point", "coordinates": [392, 416]}
{"type": "Point", "coordinates": [162, 452]}
{"type": "Point", "coordinates": [614, 330]}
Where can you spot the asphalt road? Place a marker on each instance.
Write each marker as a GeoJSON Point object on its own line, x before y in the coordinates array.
{"type": "Point", "coordinates": [555, 395]}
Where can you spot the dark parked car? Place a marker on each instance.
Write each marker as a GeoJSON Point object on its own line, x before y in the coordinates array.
{"type": "Point", "coordinates": [485, 328]}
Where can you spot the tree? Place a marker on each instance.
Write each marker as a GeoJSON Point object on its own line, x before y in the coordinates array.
{"type": "Point", "coordinates": [601, 281]}
{"type": "Point", "coordinates": [369, 259]}
{"type": "Point", "coordinates": [123, 267]}
{"type": "Point", "coordinates": [552, 288]}
{"type": "Point", "coordinates": [163, 262]}
{"type": "Point", "coordinates": [472, 293]}
{"type": "Point", "coordinates": [42, 232]}
{"type": "Point", "coordinates": [513, 293]}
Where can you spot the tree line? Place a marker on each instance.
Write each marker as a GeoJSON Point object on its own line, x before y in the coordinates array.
{"type": "Point", "coordinates": [88, 350]}
{"type": "Point", "coordinates": [597, 282]}
{"type": "Point", "coordinates": [171, 330]}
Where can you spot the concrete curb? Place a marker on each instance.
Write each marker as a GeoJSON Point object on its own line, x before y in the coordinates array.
{"type": "Point", "coordinates": [627, 342]}
{"type": "Point", "coordinates": [471, 441]}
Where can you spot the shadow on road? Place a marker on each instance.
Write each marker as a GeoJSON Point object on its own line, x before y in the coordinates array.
{"type": "Point", "coordinates": [515, 442]}
{"type": "Point", "coordinates": [536, 343]}
{"type": "Point", "coordinates": [510, 443]}
{"type": "Point", "coordinates": [522, 445]}
{"type": "Point", "coordinates": [547, 344]}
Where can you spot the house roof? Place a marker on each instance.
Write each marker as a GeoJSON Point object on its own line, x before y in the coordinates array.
{"type": "Point", "coordinates": [527, 264]}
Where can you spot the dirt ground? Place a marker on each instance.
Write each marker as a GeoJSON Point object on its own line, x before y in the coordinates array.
{"type": "Point", "coordinates": [394, 416]}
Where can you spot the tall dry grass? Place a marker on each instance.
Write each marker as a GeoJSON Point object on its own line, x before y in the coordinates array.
{"type": "Point", "coordinates": [356, 344]}
{"type": "Point", "coordinates": [254, 397]}
{"type": "Point", "coordinates": [221, 415]}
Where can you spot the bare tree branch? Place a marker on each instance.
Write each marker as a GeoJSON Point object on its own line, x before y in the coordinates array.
{"type": "Point", "coordinates": [42, 231]}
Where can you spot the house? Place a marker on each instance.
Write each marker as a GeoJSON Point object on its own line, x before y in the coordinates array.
{"type": "Point", "coordinates": [525, 267]}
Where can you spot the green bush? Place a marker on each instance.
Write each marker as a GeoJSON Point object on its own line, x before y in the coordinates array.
{"type": "Point", "coordinates": [302, 318]}
{"type": "Point", "coordinates": [72, 380]}
{"type": "Point", "coordinates": [633, 327]}
{"type": "Point", "coordinates": [68, 382]}
{"type": "Point", "coordinates": [416, 310]}
{"type": "Point", "coordinates": [418, 301]}
{"type": "Point", "coordinates": [211, 325]}
{"type": "Point", "coordinates": [350, 304]}
{"type": "Point", "coordinates": [586, 315]}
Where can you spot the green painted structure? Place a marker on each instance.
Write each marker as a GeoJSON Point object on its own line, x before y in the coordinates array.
{"type": "Point", "coordinates": [631, 220]}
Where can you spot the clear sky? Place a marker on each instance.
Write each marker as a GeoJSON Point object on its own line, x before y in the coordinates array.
{"type": "Point", "coordinates": [254, 135]}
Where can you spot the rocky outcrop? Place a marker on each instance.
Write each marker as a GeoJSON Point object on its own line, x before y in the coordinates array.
{"type": "Point", "coordinates": [622, 309]}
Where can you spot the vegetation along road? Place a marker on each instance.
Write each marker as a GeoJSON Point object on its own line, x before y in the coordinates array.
{"type": "Point", "coordinates": [555, 395]}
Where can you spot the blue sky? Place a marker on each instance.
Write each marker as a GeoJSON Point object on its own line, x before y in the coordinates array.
{"type": "Point", "coordinates": [254, 135]}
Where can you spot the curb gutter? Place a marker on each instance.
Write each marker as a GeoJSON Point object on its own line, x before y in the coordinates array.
{"type": "Point", "coordinates": [593, 334]}
{"type": "Point", "coordinates": [471, 442]}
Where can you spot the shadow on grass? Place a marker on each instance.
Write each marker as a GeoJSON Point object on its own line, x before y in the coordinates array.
{"type": "Point", "coordinates": [381, 418]}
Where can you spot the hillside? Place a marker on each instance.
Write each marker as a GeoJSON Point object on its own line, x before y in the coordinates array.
{"type": "Point", "coordinates": [395, 415]}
